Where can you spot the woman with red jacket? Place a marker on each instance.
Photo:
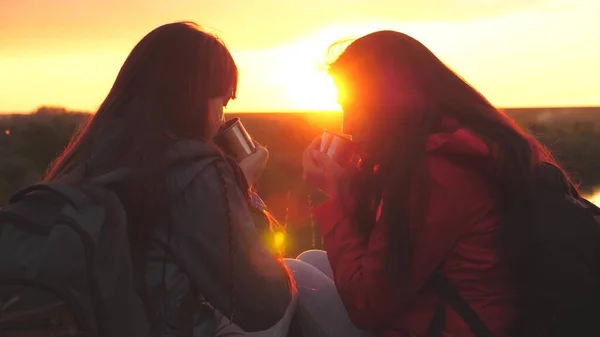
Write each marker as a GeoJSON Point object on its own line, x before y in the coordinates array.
{"type": "Point", "coordinates": [440, 165]}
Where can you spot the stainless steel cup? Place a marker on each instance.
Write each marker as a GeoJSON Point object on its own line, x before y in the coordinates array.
{"type": "Point", "coordinates": [235, 140]}
{"type": "Point", "coordinates": [339, 147]}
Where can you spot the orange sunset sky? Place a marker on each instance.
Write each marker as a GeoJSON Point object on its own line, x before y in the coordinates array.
{"type": "Point", "coordinates": [517, 52]}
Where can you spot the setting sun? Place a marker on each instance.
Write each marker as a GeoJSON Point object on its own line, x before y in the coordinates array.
{"type": "Point", "coordinates": [313, 90]}
{"type": "Point", "coordinates": [297, 74]}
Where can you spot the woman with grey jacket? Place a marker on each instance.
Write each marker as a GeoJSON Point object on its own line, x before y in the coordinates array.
{"type": "Point", "coordinates": [199, 263]}
{"type": "Point", "coordinates": [193, 243]}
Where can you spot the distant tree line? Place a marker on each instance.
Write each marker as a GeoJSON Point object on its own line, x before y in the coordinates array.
{"type": "Point", "coordinates": [29, 142]}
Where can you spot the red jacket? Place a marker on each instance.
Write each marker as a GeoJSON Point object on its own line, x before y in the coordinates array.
{"type": "Point", "coordinates": [460, 229]}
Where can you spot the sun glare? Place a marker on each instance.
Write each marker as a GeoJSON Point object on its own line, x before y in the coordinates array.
{"type": "Point", "coordinates": [314, 90]}
{"type": "Point", "coordinates": [301, 71]}
{"type": "Point", "coordinates": [279, 242]}
{"type": "Point", "coordinates": [278, 239]}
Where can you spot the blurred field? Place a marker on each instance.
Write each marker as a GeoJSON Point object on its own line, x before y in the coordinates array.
{"type": "Point", "coordinates": [29, 142]}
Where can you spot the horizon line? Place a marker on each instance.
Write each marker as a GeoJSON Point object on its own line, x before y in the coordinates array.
{"type": "Point", "coordinates": [294, 111]}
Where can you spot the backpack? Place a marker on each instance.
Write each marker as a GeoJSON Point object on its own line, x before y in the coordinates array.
{"type": "Point", "coordinates": [65, 266]}
{"type": "Point", "coordinates": [559, 276]}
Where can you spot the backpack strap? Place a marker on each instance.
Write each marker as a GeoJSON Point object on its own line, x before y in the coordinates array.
{"type": "Point", "coordinates": [71, 195]}
{"type": "Point", "coordinates": [438, 322]}
{"type": "Point", "coordinates": [448, 294]}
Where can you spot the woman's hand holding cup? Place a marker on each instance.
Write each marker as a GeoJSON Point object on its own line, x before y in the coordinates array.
{"type": "Point", "coordinates": [251, 156]}
{"type": "Point", "coordinates": [320, 170]}
{"type": "Point", "coordinates": [254, 164]}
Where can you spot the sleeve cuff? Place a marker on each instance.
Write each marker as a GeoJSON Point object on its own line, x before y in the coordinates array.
{"type": "Point", "coordinates": [329, 214]}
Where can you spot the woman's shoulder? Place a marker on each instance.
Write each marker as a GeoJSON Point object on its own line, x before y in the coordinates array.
{"type": "Point", "coordinates": [189, 150]}
{"type": "Point", "coordinates": [458, 156]}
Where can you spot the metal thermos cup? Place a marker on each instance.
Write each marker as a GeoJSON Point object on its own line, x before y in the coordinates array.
{"type": "Point", "coordinates": [235, 140]}
{"type": "Point", "coordinates": [338, 147]}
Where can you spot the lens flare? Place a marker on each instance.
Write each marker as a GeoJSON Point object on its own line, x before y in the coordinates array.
{"type": "Point", "coordinates": [278, 239]}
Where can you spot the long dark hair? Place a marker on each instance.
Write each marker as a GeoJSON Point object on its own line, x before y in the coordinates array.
{"type": "Point", "coordinates": [406, 90]}
{"type": "Point", "coordinates": [160, 95]}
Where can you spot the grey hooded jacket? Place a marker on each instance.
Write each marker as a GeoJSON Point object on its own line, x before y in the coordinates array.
{"type": "Point", "coordinates": [211, 255]}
